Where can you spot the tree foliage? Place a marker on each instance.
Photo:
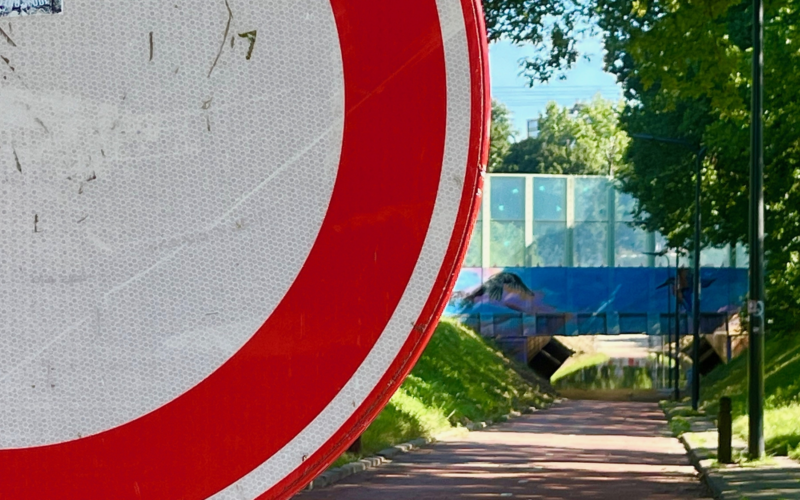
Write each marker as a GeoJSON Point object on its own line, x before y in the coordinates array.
{"type": "Point", "coordinates": [686, 66]}
{"type": "Point", "coordinates": [501, 135]}
{"type": "Point", "coordinates": [583, 139]}
{"type": "Point", "coordinates": [550, 26]}
{"type": "Point", "coordinates": [523, 158]}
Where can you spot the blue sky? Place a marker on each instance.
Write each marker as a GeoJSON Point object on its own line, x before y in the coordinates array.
{"type": "Point", "coordinates": [583, 81]}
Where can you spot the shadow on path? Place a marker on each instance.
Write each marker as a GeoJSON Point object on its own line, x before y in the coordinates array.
{"type": "Point", "coordinates": [578, 449]}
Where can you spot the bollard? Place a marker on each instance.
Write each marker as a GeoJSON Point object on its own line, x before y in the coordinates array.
{"type": "Point", "coordinates": [724, 431]}
{"type": "Point", "coordinates": [356, 446]}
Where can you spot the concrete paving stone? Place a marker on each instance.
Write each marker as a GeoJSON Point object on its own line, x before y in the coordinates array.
{"type": "Point", "coordinates": [777, 479]}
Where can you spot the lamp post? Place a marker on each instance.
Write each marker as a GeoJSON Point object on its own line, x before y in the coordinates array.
{"type": "Point", "coordinates": [699, 153]}
{"type": "Point", "coordinates": [755, 304]}
{"type": "Point", "coordinates": [664, 253]}
{"type": "Point", "coordinates": [677, 378]}
{"type": "Point", "coordinates": [696, 282]}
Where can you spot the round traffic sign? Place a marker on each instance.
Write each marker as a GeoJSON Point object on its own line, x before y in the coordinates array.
{"type": "Point", "coordinates": [227, 231]}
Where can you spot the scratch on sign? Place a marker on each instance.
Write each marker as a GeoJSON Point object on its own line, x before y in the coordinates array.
{"type": "Point", "coordinates": [8, 38]}
{"type": "Point", "coordinates": [40, 122]}
{"type": "Point", "coordinates": [8, 62]}
{"type": "Point", "coordinates": [16, 159]}
{"type": "Point", "coordinates": [224, 38]}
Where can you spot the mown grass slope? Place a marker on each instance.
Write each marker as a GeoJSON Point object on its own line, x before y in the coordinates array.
{"type": "Point", "coordinates": [577, 363]}
{"type": "Point", "coordinates": [782, 388]}
{"type": "Point", "coordinates": [460, 378]}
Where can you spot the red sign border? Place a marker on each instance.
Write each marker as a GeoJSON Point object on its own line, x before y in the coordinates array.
{"type": "Point", "coordinates": [65, 469]}
{"type": "Point", "coordinates": [477, 160]}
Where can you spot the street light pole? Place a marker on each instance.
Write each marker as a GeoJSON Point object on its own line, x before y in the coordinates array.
{"type": "Point", "coordinates": [697, 284]}
{"type": "Point", "coordinates": [695, 382]}
{"type": "Point", "coordinates": [664, 253]}
{"type": "Point", "coordinates": [755, 305]}
{"type": "Point", "coordinates": [677, 378]}
{"type": "Point", "coordinates": [669, 323]}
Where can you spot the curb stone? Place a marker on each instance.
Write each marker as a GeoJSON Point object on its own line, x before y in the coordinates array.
{"type": "Point", "coordinates": [385, 456]}
{"type": "Point", "coordinates": [701, 446]}
{"type": "Point", "coordinates": [701, 459]}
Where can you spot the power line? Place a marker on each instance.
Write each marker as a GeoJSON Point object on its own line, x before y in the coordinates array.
{"type": "Point", "coordinates": [548, 87]}
{"type": "Point", "coordinates": [535, 103]}
{"type": "Point", "coordinates": [558, 91]}
{"type": "Point", "coordinates": [554, 95]}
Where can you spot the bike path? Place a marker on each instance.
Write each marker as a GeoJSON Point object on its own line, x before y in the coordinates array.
{"type": "Point", "coordinates": [573, 450]}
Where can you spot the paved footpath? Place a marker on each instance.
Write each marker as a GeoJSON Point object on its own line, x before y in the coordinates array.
{"type": "Point", "coordinates": [574, 450]}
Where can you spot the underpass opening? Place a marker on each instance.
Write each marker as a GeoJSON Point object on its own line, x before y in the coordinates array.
{"type": "Point", "coordinates": [557, 257]}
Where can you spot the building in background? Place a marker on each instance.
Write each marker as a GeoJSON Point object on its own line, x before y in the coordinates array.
{"type": "Point", "coordinates": [533, 128]}
{"type": "Point", "coordinates": [557, 255]}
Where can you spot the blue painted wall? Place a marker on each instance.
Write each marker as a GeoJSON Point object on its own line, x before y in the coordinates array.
{"type": "Point", "coordinates": [524, 301]}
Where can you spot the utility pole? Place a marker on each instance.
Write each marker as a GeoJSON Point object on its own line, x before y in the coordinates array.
{"type": "Point", "coordinates": [665, 253]}
{"type": "Point", "coordinates": [669, 323]}
{"type": "Point", "coordinates": [755, 304]}
{"type": "Point", "coordinates": [697, 285]}
{"type": "Point", "coordinates": [677, 378]}
{"type": "Point", "coordinates": [699, 151]}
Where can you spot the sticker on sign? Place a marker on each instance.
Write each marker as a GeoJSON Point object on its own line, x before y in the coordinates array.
{"type": "Point", "coordinates": [28, 7]}
{"type": "Point", "coordinates": [221, 252]}
{"type": "Point", "coordinates": [755, 307]}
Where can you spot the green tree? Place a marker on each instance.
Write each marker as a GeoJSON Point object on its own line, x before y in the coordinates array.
{"type": "Point", "coordinates": [583, 139]}
{"type": "Point", "coordinates": [523, 158]}
{"type": "Point", "coordinates": [699, 90]}
{"type": "Point", "coordinates": [685, 69]}
{"type": "Point", "coordinates": [551, 27]}
{"type": "Point", "coordinates": [501, 135]}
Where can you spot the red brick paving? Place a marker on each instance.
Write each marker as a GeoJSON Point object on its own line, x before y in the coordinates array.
{"type": "Point", "coordinates": [577, 449]}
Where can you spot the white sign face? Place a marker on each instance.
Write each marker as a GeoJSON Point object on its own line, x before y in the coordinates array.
{"type": "Point", "coordinates": [28, 7]}
{"type": "Point", "coordinates": [227, 229]}
{"type": "Point", "coordinates": [146, 200]}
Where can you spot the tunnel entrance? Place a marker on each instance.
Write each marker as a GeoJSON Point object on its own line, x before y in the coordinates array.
{"type": "Point", "coordinates": [620, 368]}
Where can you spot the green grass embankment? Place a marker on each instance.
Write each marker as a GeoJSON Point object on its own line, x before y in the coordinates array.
{"type": "Point", "coordinates": [579, 362]}
{"type": "Point", "coordinates": [782, 388]}
{"type": "Point", "coordinates": [460, 378]}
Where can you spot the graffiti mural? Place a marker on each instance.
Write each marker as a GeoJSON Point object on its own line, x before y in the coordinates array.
{"type": "Point", "coordinates": [526, 301]}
